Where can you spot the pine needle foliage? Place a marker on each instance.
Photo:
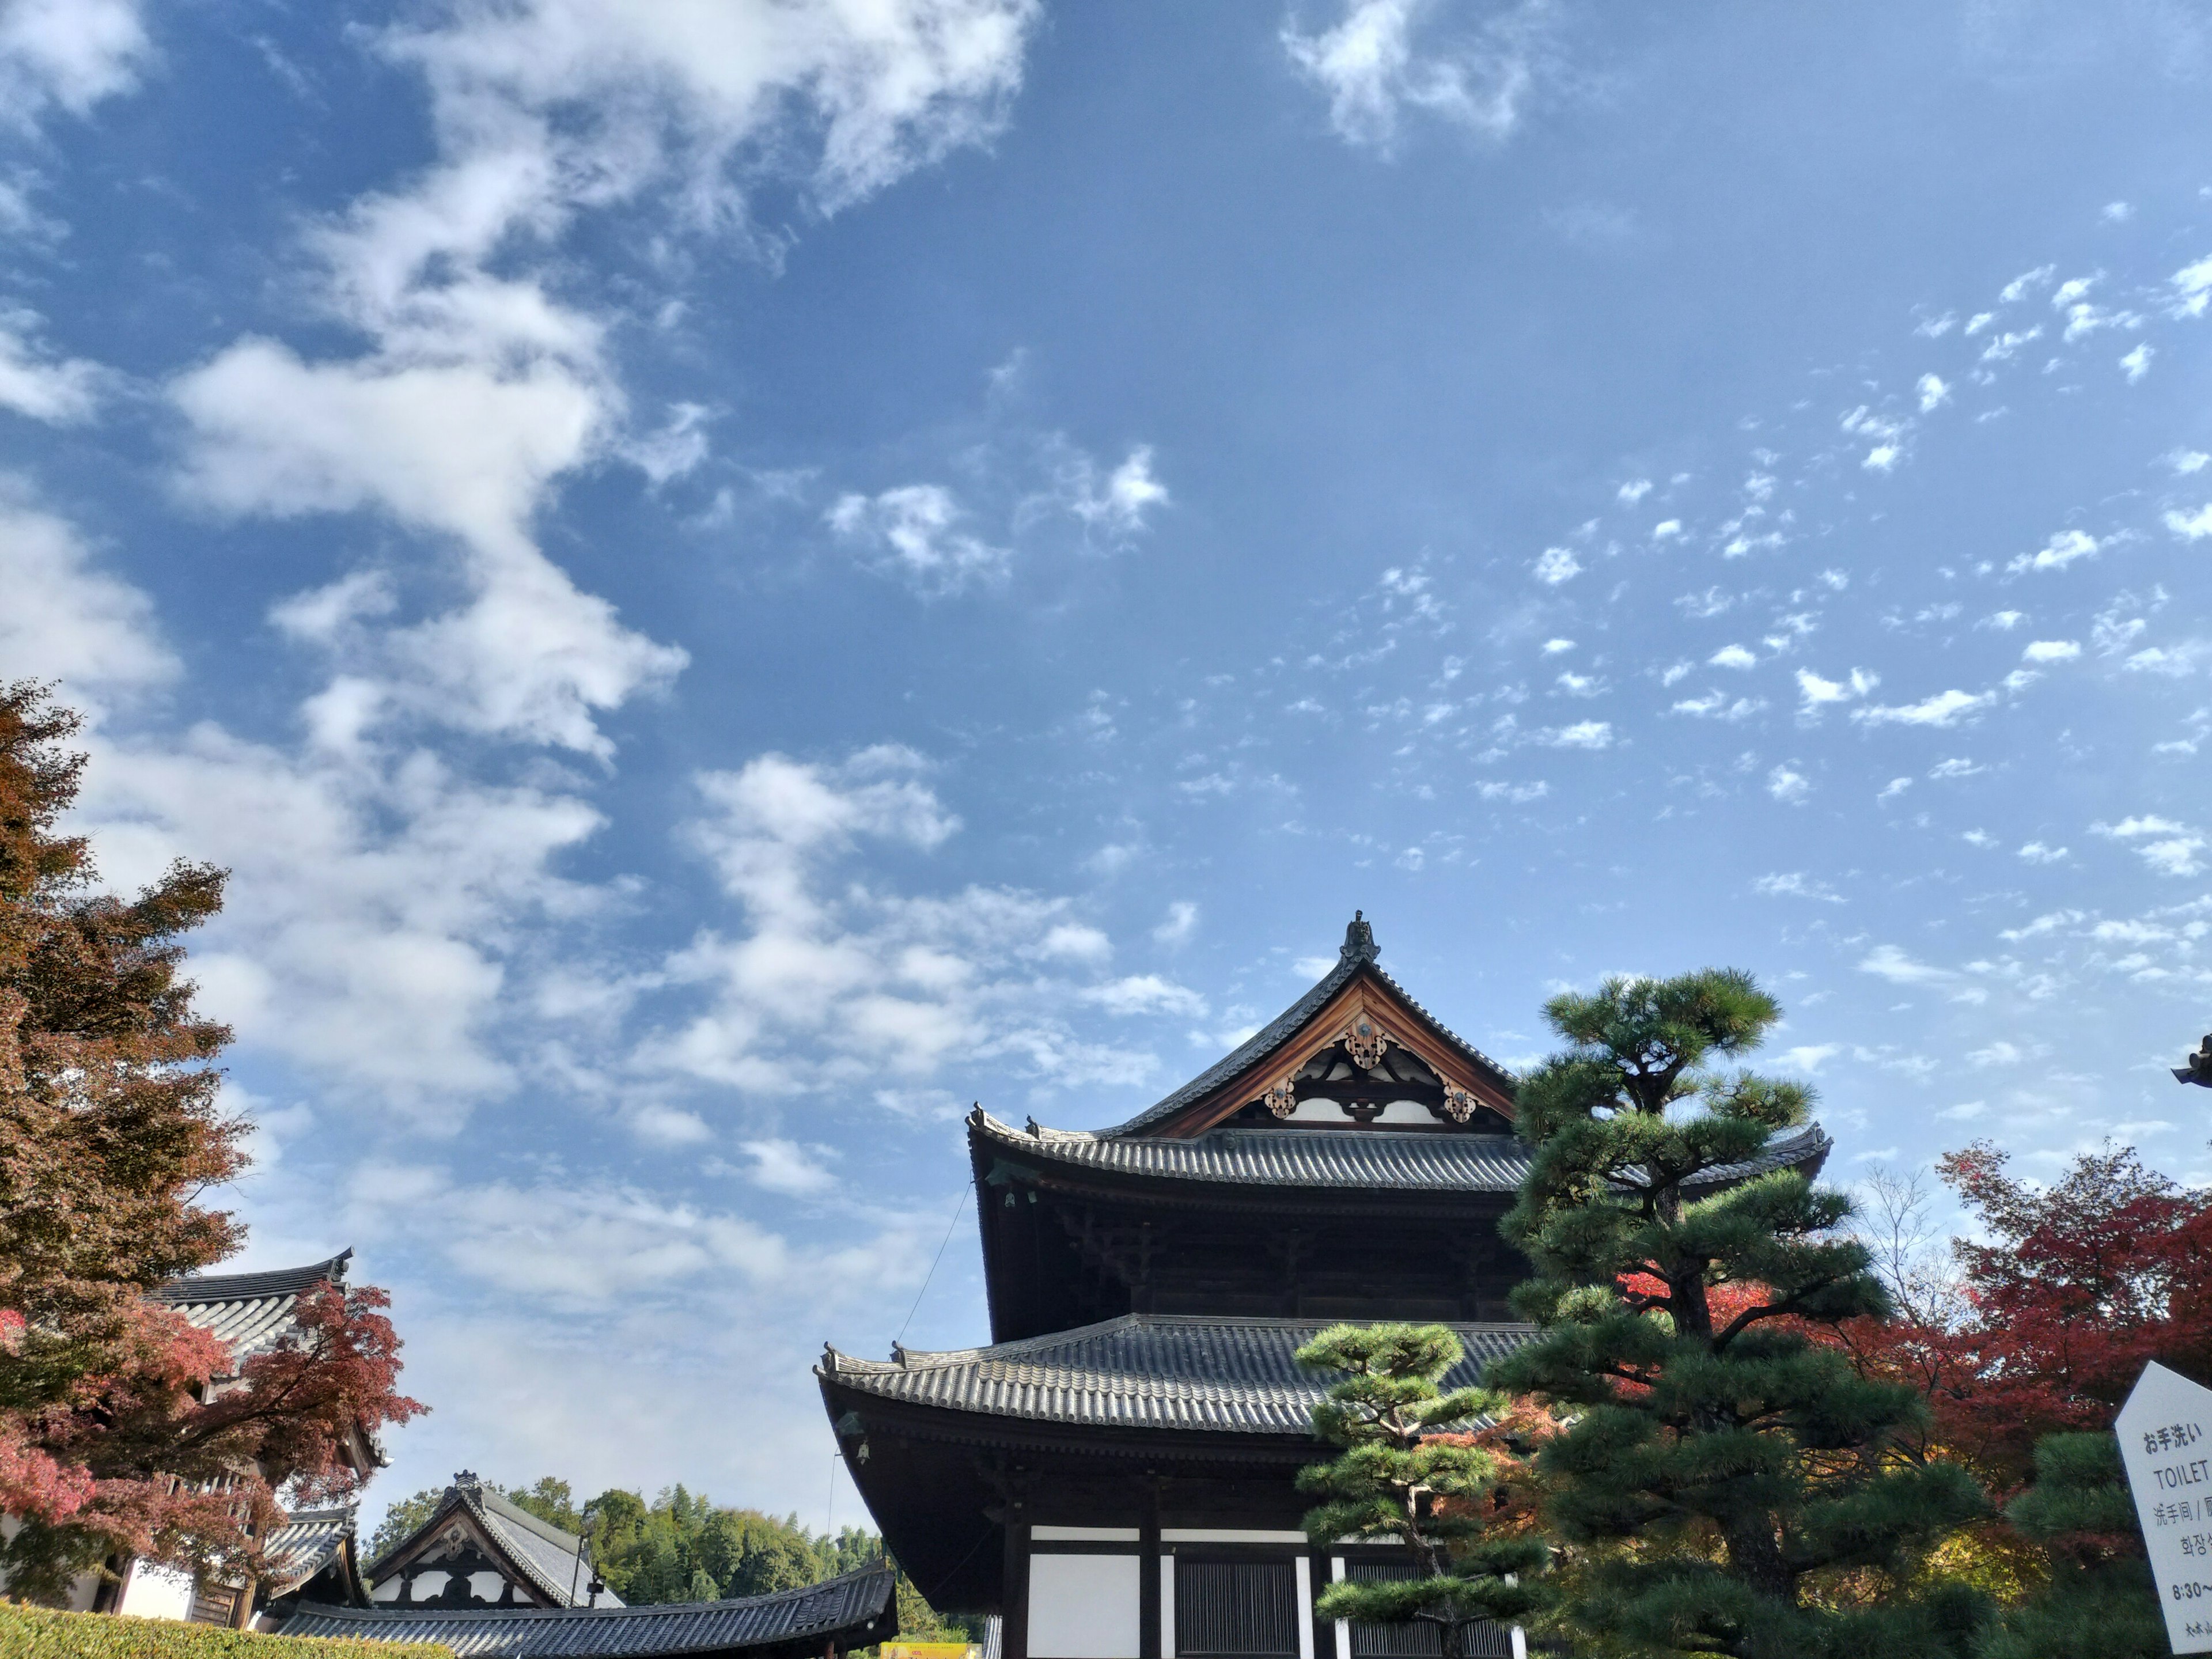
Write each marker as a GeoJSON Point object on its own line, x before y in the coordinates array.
{"type": "Point", "coordinates": [1729, 1485]}
{"type": "Point", "coordinates": [1409, 1475]}
{"type": "Point", "coordinates": [2101, 1602]}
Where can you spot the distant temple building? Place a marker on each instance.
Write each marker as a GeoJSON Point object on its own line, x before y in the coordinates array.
{"type": "Point", "coordinates": [1114, 1475]}
{"type": "Point", "coordinates": [477, 1550]}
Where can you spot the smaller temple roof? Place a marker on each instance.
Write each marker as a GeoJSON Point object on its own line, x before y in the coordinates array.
{"type": "Point", "coordinates": [251, 1312]}
{"type": "Point", "coordinates": [546, 1555]}
{"type": "Point", "coordinates": [1373, 1159]}
{"type": "Point", "coordinates": [1141, 1371]}
{"type": "Point", "coordinates": [1358, 951]}
{"type": "Point", "coordinates": [851, 1611]}
{"type": "Point", "coordinates": [307, 1543]}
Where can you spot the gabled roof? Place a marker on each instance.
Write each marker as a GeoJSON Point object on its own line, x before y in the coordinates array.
{"type": "Point", "coordinates": [1374, 1160]}
{"type": "Point", "coordinates": [851, 1611]}
{"type": "Point", "coordinates": [251, 1312]}
{"type": "Point", "coordinates": [1141, 1371]}
{"type": "Point", "coordinates": [539, 1553]}
{"type": "Point", "coordinates": [306, 1544]}
{"type": "Point", "coordinates": [1355, 957]}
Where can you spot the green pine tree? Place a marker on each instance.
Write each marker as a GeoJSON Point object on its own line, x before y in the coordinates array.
{"type": "Point", "coordinates": [1733, 1486]}
{"type": "Point", "coordinates": [2101, 1602]}
{"type": "Point", "coordinates": [1400, 1481]}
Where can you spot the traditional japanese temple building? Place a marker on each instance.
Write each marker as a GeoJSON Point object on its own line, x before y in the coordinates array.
{"type": "Point", "coordinates": [1114, 1475]}
{"type": "Point", "coordinates": [478, 1550]}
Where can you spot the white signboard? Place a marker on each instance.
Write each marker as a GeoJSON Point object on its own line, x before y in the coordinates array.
{"type": "Point", "coordinates": [2165, 1441]}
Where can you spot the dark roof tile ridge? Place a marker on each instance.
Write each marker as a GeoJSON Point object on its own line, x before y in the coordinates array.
{"type": "Point", "coordinates": [1255, 1134]}
{"type": "Point", "coordinates": [651, 1609]}
{"type": "Point", "coordinates": [193, 1288]}
{"type": "Point", "coordinates": [1261, 1043]}
{"type": "Point", "coordinates": [1305, 1321]}
{"type": "Point", "coordinates": [508, 1509]}
{"type": "Point", "coordinates": [937, 1359]}
{"type": "Point", "coordinates": [1504, 1072]}
{"type": "Point", "coordinates": [496, 1524]}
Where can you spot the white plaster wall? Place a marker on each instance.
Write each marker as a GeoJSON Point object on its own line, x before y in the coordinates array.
{"type": "Point", "coordinates": [1084, 1607]}
{"type": "Point", "coordinates": [150, 1591]}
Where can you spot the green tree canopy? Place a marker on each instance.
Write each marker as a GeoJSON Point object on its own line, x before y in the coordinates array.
{"type": "Point", "coordinates": [1727, 1481]}
{"type": "Point", "coordinates": [2101, 1602]}
{"type": "Point", "coordinates": [1411, 1475]}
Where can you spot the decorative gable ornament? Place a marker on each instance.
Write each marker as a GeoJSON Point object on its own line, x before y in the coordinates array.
{"type": "Point", "coordinates": [1365, 1041]}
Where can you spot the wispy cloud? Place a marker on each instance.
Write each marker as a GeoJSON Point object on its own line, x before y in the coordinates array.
{"type": "Point", "coordinates": [1386, 58]}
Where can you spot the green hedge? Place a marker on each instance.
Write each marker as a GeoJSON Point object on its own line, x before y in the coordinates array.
{"type": "Point", "coordinates": [39, 1633]}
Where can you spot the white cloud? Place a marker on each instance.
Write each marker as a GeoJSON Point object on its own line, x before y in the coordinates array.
{"type": "Point", "coordinates": [1933, 391]}
{"type": "Point", "coordinates": [72, 53]}
{"type": "Point", "coordinates": [2186, 461]}
{"type": "Point", "coordinates": [1582, 734]}
{"type": "Point", "coordinates": [2052, 650]}
{"type": "Point", "coordinates": [1633, 491]}
{"type": "Point", "coordinates": [785, 1166]}
{"type": "Point", "coordinates": [2036, 851]}
{"type": "Point", "coordinates": [1146, 993]}
{"type": "Point", "coordinates": [2136, 363]}
{"type": "Point", "coordinates": [1732, 656]}
{"type": "Point", "coordinates": [1666, 530]}
{"type": "Point", "coordinates": [836, 982]}
{"type": "Point", "coordinates": [1957, 766]}
{"type": "Point", "coordinates": [2192, 288]}
{"type": "Point", "coordinates": [1818, 692]}
{"type": "Point", "coordinates": [1944, 708]}
{"type": "Point", "coordinates": [1552, 647]}
{"type": "Point", "coordinates": [1716, 705]}
{"type": "Point", "coordinates": [1795, 884]}
{"type": "Point", "coordinates": [64, 619]}
{"type": "Point", "coordinates": [914, 531]}
{"type": "Point", "coordinates": [1119, 507]}
{"type": "Point", "coordinates": [1888, 961]}
{"type": "Point", "coordinates": [1373, 72]}
{"type": "Point", "coordinates": [35, 383]}
{"type": "Point", "coordinates": [2191, 527]}
{"type": "Point", "coordinates": [1788, 785]}
{"type": "Point", "coordinates": [1808, 1057]}
{"type": "Point", "coordinates": [1518, 794]}
{"type": "Point", "coordinates": [2061, 551]}
{"type": "Point", "coordinates": [2003, 621]}
{"type": "Point", "coordinates": [1181, 924]}
{"type": "Point", "coordinates": [2016, 289]}
{"type": "Point", "coordinates": [2118, 213]}
{"type": "Point", "coordinates": [479, 390]}
{"type": "Point", "coordinates": [1556, 565]}
{"type": "Point", "coordinates": [2169, 848]}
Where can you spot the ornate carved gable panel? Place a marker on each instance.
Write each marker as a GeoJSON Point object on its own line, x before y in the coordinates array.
{"type": "Point", "coordinates": [455, 1566]}
{"type": "Point", "coordinates": [1361, 1053]}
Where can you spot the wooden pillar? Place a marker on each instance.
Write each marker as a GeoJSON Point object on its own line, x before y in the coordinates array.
{"type": "Point", "coordinates": [1148, 1568]}
{"type": "Point", "coordinates": [1016, 1634]}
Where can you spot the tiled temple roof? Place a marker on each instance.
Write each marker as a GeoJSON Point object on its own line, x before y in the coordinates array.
{"type": "Point", "coordinates": [1358, 951]}
{"type": "Point", "coordinates": [1363, 1159]}
{"type": "Point", "coordinates": [304, 1545]}
{"type": "Point", "coordinates": [853, 1607]}
{"type": "Point", "coordinates": [545, 1554]}
{"type": "Point", "coordinates": [1141, 1371]}
{"type": "Point", "coordinates": [249, 1311]}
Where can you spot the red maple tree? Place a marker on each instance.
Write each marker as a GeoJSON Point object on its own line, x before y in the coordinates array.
{"type": "Point", "coordinates": [123, 1428]}
{"type": "Point", "coordinates": [2055, 1313]}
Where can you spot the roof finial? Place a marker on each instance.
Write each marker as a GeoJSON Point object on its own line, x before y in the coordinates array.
{"type": "Point", "coordinates": [1358, 939]}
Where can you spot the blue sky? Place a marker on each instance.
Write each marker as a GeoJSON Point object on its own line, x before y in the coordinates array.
{"type": "Point", "coordinates": [730, 579]}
